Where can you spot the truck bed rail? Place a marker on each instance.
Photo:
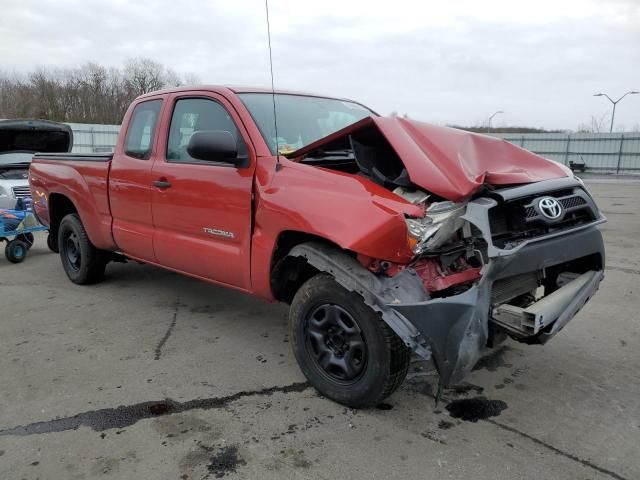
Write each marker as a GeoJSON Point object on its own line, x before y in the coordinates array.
{"type": "Point", "coordinates": [75, 157]}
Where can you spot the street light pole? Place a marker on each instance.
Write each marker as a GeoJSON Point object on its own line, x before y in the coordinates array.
{"type": "Point", "coordinates": [491, 118]}
{"type": "Point", "coordinates": [613, 113]}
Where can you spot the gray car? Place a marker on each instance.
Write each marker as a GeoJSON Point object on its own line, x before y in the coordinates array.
{"type": "Point", "coordinates": [19, 140]}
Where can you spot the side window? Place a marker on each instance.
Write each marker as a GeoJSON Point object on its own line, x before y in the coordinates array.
{"type": "Point", "coordinates": [195, 114]}
{"type": "Point", "coordinates": [142, 128]}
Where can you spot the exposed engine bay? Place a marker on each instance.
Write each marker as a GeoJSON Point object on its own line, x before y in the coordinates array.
{"type": "Point", "coordinates": [364, 153]}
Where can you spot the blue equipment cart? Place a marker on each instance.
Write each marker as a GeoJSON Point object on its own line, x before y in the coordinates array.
{"type": "Point", "coordinates": [17, 228]}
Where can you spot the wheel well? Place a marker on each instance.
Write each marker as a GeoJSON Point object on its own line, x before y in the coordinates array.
{"type": "Point", "coordinates": [59, 207]}
{"type": "Point", "coordinates": [289, 273]}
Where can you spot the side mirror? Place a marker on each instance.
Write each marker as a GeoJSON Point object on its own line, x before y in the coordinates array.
{"type": "Point", "coordinates": [214, 146]}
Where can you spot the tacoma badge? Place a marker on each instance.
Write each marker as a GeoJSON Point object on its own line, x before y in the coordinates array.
{"type": "Point", "coordinates": [218, 233]}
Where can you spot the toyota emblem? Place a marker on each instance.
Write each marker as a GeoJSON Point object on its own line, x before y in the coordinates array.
{"type": "Point", "coordinates": [550, 208]}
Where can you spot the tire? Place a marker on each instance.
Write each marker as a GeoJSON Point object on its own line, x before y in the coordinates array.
{"type": "Point", "coordinates": [51, 243]}
{"type": "Point", "coordinates": [16, 251]}
{"type": "Point", "coordinates": [82, 262]}
{"type": "Point", "coordinates": [346, 351]}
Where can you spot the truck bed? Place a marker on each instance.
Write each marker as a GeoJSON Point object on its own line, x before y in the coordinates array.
{"type": "Point", "coordinates": [80, 177]}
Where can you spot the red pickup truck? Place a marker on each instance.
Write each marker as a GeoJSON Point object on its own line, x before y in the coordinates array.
{"type": "Point", "coordinates": [386, 236]}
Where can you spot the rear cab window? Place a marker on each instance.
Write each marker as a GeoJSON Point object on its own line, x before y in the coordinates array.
{"type": "Point", "coordinates": [142, 129]}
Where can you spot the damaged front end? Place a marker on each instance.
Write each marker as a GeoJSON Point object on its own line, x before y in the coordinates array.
{"type": "Point", "coordinates": [497, 266]}
{"type": "Point", "coordinates": [507, 244]}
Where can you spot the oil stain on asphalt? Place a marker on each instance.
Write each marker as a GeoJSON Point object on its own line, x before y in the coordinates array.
{"type": "Point", "coordinates": [474, 409]}
{"type": "Point", "coordinates": [224, 461]}
{"type": "Point", "coordinates": [127, 415]}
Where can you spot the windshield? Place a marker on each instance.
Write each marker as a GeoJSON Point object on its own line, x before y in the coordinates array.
{"type": "Point", "coordinates": [12, 158]}
{"type": "Point", "coordinates": [301, 119]}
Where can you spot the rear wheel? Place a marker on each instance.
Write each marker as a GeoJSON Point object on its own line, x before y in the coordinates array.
{"type": "Point", "coordinates": [82, 262]}
{"type": "Point", "coordinates": [16, 251]}
{"type": "Point", "coordinates": [343, 347]}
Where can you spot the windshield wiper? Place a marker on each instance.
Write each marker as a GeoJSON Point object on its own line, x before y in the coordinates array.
{"type": "Point", "coordinates": [330, 155]}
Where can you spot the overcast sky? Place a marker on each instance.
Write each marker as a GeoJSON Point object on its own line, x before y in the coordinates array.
{"type": "Point", "coordinates": [443, 62]}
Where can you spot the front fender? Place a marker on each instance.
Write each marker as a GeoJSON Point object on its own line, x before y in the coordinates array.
{"type": "Point", "coordinates": [348, 210]}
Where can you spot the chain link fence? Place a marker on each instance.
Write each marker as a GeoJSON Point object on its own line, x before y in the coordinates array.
{"type": "Point", "coordinates": [598, 152]}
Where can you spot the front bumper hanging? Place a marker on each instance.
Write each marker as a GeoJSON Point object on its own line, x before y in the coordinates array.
{"type": "Point", "coordinates": [456, 327]}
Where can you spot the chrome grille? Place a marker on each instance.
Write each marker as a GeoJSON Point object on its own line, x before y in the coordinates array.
{"type": "Point", "coordinates": [21, 192]}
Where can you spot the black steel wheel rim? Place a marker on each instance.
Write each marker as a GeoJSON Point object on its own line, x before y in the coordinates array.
{"type": "Point", "coordinates": [72, 251]}
{"type": "Point", "coordinates": [335, 343]}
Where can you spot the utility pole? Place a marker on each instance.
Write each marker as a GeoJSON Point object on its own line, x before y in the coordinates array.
{"type": "Point", "coordinates": [491, 118]}
{"type": "Point", "coordinates": [613, 113]}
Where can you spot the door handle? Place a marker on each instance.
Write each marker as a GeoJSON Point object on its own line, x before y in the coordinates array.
{"type": "Point", "coordinates": [162, 183]}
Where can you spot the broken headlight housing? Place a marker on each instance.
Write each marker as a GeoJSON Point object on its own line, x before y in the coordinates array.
{"type": "Point", "coordinates": [441, 222]}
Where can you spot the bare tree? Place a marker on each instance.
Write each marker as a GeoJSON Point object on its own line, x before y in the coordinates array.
{"type": "Point", "coordinates": [143, 75]}
{"type": "Point", "coordinates": [89, 94]}
{"type": "Point", "coordinates": [595, 125]}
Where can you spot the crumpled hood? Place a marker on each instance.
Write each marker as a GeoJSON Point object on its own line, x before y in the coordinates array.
{"type": "Point", "coordinates": [449, 162]}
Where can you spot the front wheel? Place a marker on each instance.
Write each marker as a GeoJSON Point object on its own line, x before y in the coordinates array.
{"type": "Point", "coordinates": [82, 262]}
{"type": "Point", "coordinates": [343, 347]}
